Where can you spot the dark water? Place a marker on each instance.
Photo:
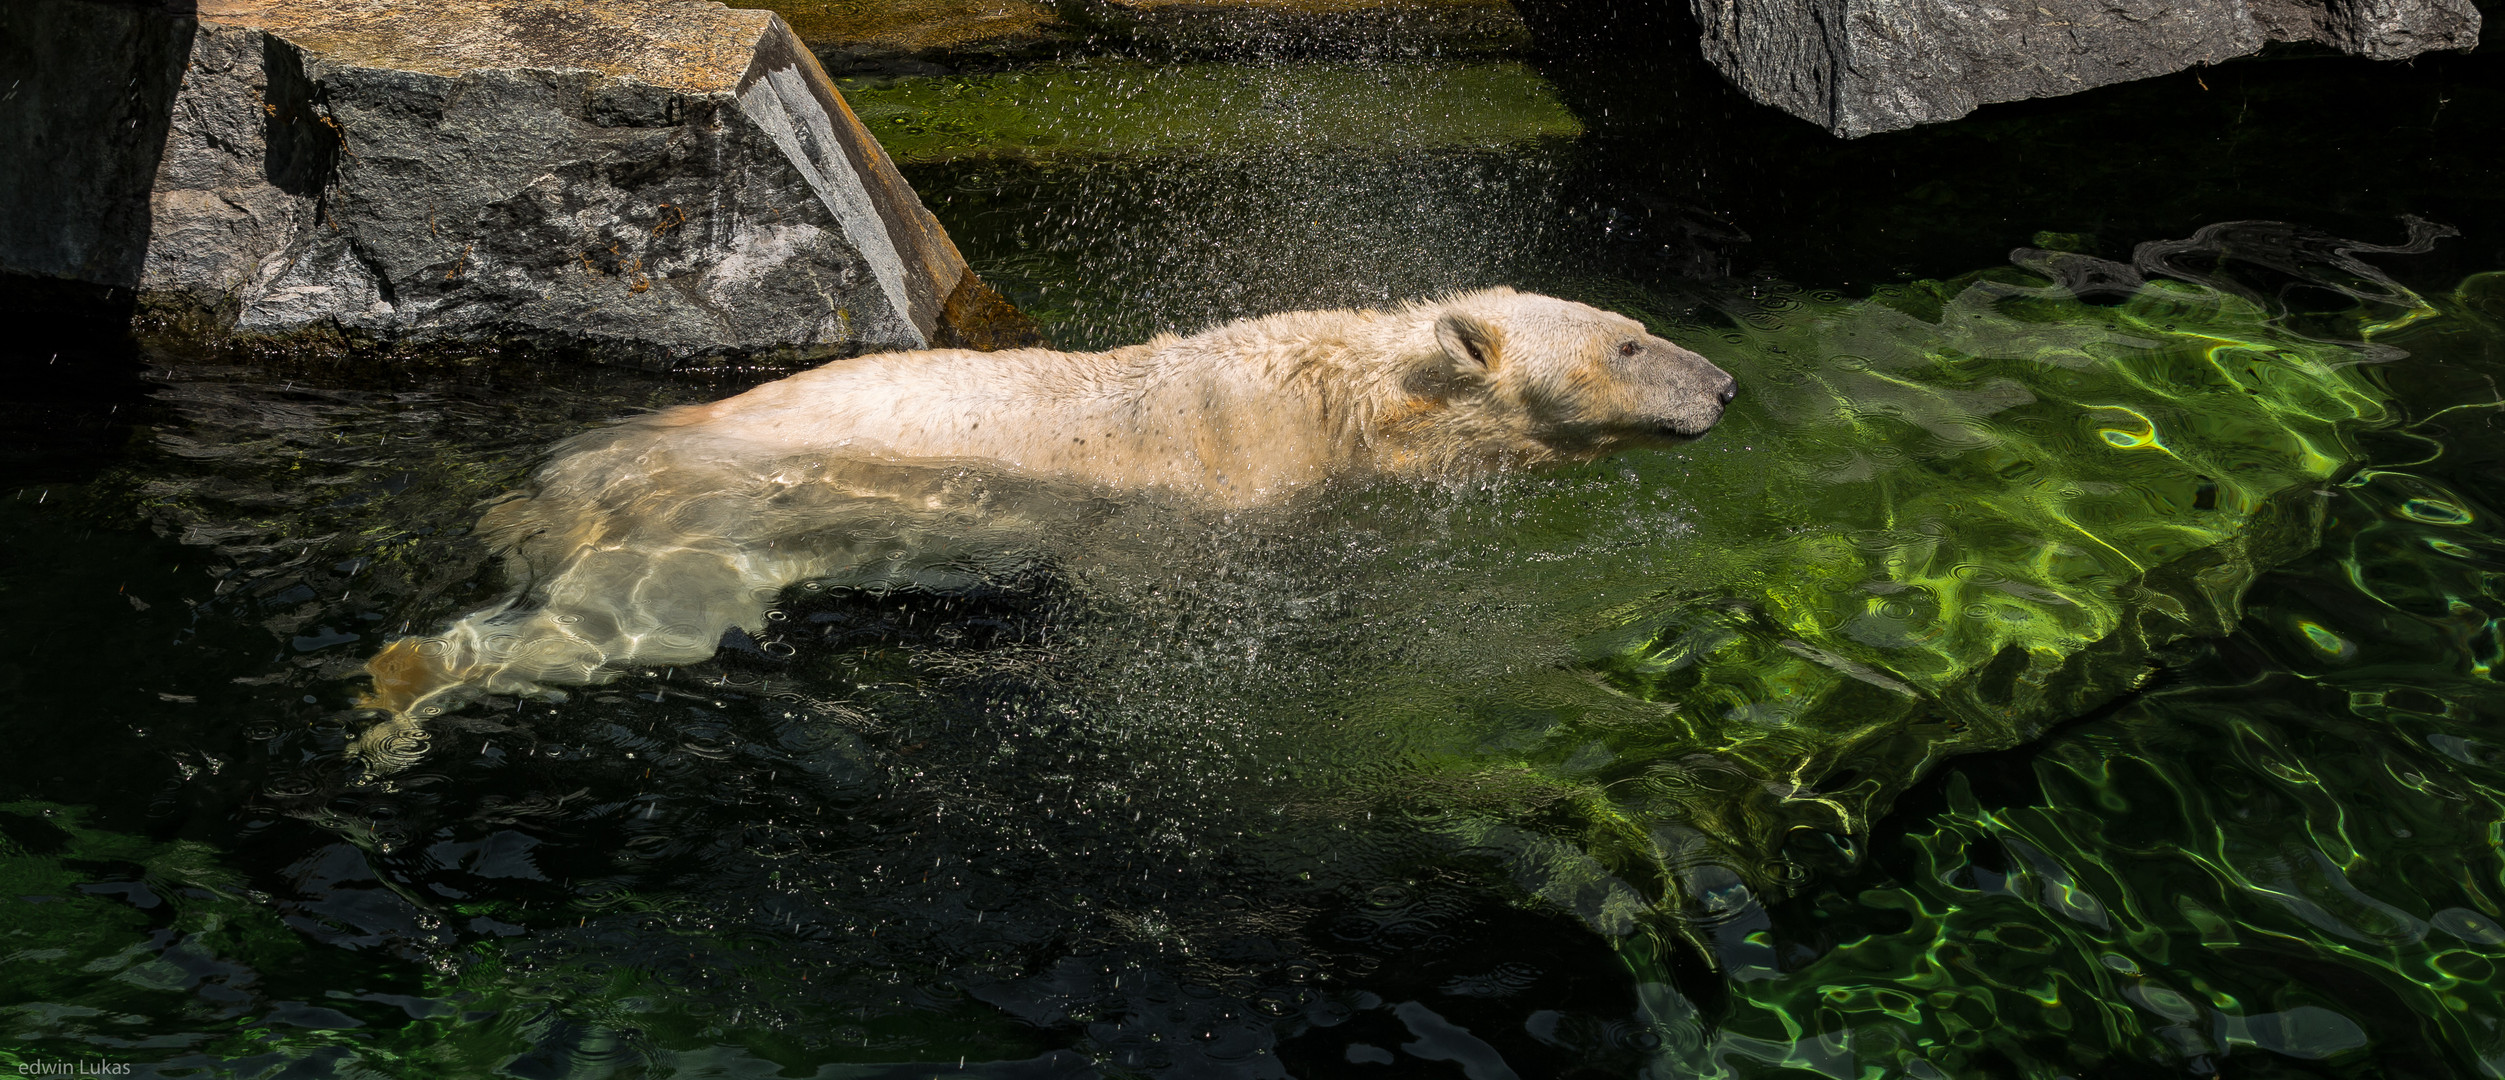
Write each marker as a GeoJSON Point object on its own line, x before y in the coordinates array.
{"type": "Point", "coordinates": [1280, 794]}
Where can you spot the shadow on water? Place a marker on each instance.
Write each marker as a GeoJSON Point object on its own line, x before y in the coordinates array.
{"type": "Point", "coordinates": [1709, 191]}
{"type": "Point", "coordinates": [1682, 173]}
{"type": "Point", "coordinates": [89, 100]}
{"type": "Point", "coordinates": [75, 379]}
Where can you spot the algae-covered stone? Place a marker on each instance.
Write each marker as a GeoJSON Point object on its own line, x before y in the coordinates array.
{"type": "Point", "coordinates": [642, 181]}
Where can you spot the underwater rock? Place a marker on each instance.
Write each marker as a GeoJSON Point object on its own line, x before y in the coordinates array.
{"type": "Point", "coordinates": [1856, 67]}
{"type": "Point", "coordinates": [640, 182]}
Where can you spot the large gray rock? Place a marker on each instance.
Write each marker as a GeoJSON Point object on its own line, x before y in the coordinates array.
{"type": "Point", "coordinates": [1861, 66]}
{"type": "Point", "coordinates": [644, 180]}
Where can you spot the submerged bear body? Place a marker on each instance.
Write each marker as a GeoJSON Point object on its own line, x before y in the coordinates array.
{"type": "Point", "coordinates": [642, 543]}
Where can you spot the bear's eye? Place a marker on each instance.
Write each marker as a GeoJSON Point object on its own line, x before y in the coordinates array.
{"type": "Point", "coordinates": [1629, 348]}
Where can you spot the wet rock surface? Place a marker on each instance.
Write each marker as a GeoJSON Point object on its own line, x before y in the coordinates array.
{"type": "Point", "coordinates": [640, 182]}
{"type": "Point", "coordinates": [1856, 67]}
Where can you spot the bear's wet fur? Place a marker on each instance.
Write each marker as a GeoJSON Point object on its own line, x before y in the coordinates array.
{"type": "Point", "coordinates": [642, 543]}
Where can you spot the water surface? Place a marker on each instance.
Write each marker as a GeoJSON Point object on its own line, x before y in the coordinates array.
{"type": "Point", "coordinates": [1379, 783]}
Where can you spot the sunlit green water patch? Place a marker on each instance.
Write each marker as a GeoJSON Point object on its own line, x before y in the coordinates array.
{"type": "Point", "coordinates": [2292, 855]}
{"type": "Point", "coordinates": [2289, 853]}
{"type": "Point", "coordinates": [1114, 109]}
{"type": "Point", "coordinates": [1936, 522]}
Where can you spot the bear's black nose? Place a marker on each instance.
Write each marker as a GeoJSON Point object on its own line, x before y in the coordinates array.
{"type": "Point", "coordinates": [1729, 390]}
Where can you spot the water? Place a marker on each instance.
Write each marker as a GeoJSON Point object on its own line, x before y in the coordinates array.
{"type": "Point", "coordinates": [1368, 781]}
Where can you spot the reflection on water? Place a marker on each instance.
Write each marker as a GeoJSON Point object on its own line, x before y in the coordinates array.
{"type": "Point", "coordinates": [1300, 792]}
{"type": "Point", "coordinates": [2285, 852]}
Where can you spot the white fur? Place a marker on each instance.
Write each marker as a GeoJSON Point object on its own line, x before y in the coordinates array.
{"type": "Point", "coordinates": [644, 542]}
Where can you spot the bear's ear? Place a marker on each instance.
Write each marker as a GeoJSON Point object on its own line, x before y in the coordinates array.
{"type": "Point", "coordinates": [1470, 345]}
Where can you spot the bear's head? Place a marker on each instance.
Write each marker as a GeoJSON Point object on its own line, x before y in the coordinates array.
{"type": "Point", "coordinates": [1556, 378]}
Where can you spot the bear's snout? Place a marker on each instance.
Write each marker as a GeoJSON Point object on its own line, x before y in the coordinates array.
{"type": "Point", "coordinates": [1681, 394]}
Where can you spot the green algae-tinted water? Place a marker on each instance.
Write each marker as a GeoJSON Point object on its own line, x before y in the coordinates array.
{"type": "Point", "coordinates": [1110, 109]}
{"type": "Point", "coordinates": [2076, 667]}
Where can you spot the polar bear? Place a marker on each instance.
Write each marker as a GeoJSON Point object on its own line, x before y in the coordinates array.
{"type": "Point", "coordinates": [645, 542]}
